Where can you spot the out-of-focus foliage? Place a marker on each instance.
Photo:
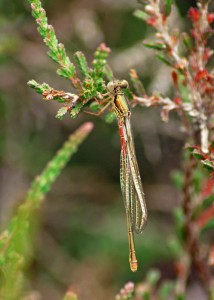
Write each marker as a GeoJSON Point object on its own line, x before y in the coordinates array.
{"type": "Point", "coordinates": [17, 241]}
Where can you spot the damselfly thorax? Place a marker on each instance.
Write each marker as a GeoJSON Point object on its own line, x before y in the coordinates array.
{"type": "Point", "coordinates": [121, 107]}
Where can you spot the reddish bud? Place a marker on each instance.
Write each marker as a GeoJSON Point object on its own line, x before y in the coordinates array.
{"type": "Point", "coordinates": [206, 216]}
{"type": "Point", "coordinates": [177, 100]}
{"type": "Point", "coordinates": [180, 268]}
{"type": "Point", "coordinates": [207, 54]}
{"type": "Point", "coordinates": [104, 48]}
{"type": "Point", "coordinates": [208, 90]}
{"type": "Point", "coordinates": [68, 108]}
{"type": "Point", "coordinates": [151, 21]}
{"type": "Point", "coordinates": [194, 33]}
{"type": "Point", "coordinates": [212, 151]}
{"type": "Point", "coordinates": [164, 18]}
{"type": "Point", "coordinates": [133, 74]}
{"type": "Point", "coordinates": [208, 187]}
{"type": "Point", "coordinates": [175, 78]}
{"type": "Point", "coordinates": [155, 99]}
{"type": "Point", "coordinates": [210, 18]}
{"type": "Point", "coordinates": [193, 14]}
{"type": "Point", "coordinates": [197, 147]}
{"type": "Point", "coordinates": [202, 74]}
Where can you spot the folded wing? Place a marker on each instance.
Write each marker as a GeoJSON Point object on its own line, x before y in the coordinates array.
{"type": "Point", "coordinates": [131, 185]}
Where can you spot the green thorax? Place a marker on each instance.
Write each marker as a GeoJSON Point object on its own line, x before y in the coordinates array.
{"type": "Point", "coordinates": [121, 106]}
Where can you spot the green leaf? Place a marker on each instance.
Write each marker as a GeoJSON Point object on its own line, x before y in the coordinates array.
{"type": "Point", "coordinates": [164, 59]}
{"type": "Point", "coordinates": [40, 88]}
{"type": "Point", "coordinates": [138, 85]}
{"type": "Point", "coordinates": [70, 296]}
{"type": "Point", "coordinates": [61, 113]}
{"type": "Point", "coordinates": [109, 73]}
{"type": "Point", "coordinates": [209, 225]}
{"type": "Point", "coordinates": [178, 179]}
{"type": "Point", "coordinates": [179, 220]}
{"type": "Point", "coordinates": [183, 89]}
{"type": "Point", "coordinates": [180, 297]}
{"type": "Point", "coordinates": [94, 106]}
{"type": "Point", "coordinates": [197, 180]}
{"type": "Point", "coordinates": [208, 164]}
{"type": "Point", "coordinates": [187, 41]}
{"type": "Point", "coordinates": [190, 148]}
{"type": "Point", "coordinates": [156, 46]}
{"type": "Point", "coordinates": [197, 154]}
{"type": "Point", "coordinates": [207, 202]}
{"type": "Point", "coordinates": [166, 289]}
{"type": "Point", "coordinates": [146, 295]}
{"type": "Point", "coordinates": [128, 93]}
{"type": "Point", "coordinates": [141, 15]}
{"type": "Point", "coordinates": [59, 161]}
{"type": "Point", "coordinates": [152, 277]}
{"type": "Point", "coordinates": [56, 50]}
{"type": "Point", "coordinates": [110, 117]}
{"type": "Point", "coordinates": [168, 6]}
{"type": "Point", "coordinates": [82, 63]}
{"type": "Point", "coordinates": [100, 67]}
{"type": "Point", "coordinates": [175, 246]}
{"type": "Point", "coordinates": [66, 72]}
{"type": "Point", "coordinates": [76, 110]}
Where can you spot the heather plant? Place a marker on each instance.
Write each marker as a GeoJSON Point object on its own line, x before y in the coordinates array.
{"type": "Point", "coordinates": [187, 55]}
{"type": "Point", "coordinates": [16, 242]}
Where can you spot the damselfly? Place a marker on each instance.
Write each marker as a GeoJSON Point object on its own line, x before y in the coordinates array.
{"type": "Point", "coordinates": [130, 180]}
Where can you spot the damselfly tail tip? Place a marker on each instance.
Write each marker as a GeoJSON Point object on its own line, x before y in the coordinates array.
{"type": "Point", "coordinates": [133, 265]}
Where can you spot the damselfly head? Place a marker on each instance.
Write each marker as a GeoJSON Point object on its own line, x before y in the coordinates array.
{"type": "Point", "coordinates": [116, 85]}
{"type": "Point", "coordinates": [123, 84]}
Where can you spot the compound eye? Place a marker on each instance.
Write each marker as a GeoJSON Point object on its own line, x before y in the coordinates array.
{"type": "Point", "coordinates": [110, 86]}
{"type": "Point", "coordinates": [124, 84]}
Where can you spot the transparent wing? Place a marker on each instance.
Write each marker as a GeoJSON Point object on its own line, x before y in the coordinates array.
{"type": "Point", "coordinates": [125, 177]}
{"type": "Point", "coordinates": [131, 185]}
{"type": "Point", "coordinates": [127, 190]}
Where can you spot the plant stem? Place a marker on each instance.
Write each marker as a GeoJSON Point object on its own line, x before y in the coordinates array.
{"type": "Point", "coordinates": [192, 246]}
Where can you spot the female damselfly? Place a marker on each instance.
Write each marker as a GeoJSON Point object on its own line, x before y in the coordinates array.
{"type": "Point", "coordinates": [130, 180]}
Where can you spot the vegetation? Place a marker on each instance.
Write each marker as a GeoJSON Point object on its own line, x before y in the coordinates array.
{"type": "Point", "coordinates": [187, 55]}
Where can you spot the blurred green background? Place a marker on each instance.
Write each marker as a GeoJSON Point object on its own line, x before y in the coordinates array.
{"type": "Point", "coordinates": [82, 239]}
